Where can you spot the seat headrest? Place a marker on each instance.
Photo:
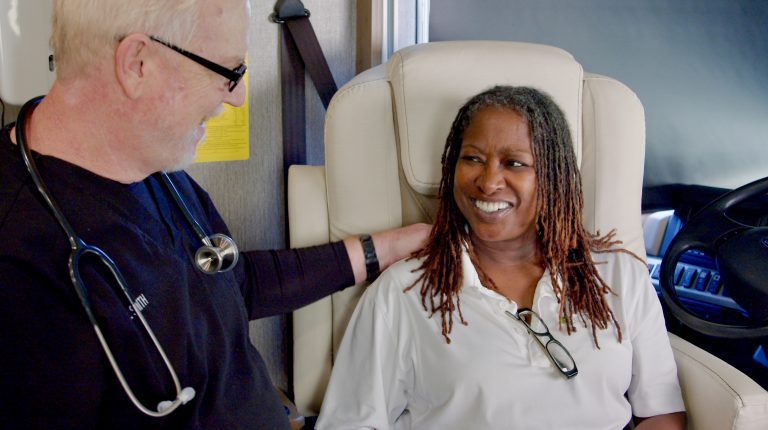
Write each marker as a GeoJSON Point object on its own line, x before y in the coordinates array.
{"type": "Point", "coordinates": [429, 86]}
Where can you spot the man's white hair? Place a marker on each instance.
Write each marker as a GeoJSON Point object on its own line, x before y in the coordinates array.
{"type": "Point", "coordinates": [87, 31]}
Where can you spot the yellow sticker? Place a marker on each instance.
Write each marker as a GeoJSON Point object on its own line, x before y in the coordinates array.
{"type": "Point", "coordinates": [226, 136]}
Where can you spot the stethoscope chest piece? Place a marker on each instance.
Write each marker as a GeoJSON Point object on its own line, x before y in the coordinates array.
{"type": "Point", "coordinates": [220, 256]}
{"type": "Point", "coordinates": [219, 252]}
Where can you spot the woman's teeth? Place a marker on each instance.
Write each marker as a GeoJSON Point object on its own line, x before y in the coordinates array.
{"type": "Point", "coordinates": [490, 207]}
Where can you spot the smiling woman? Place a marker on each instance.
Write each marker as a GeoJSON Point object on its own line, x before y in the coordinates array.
{"type": "Point", "coordinates": [512, 144]}
{"type": "Point", "coordinates": [545, 307]}
{"type": "Point", "coordinates": [495, 182]}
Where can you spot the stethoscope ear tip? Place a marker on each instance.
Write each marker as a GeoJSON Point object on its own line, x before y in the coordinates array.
{"type": "Point", "coordinates": [187, 394]}
{"type": "Point", "coordinates": [164, 406]}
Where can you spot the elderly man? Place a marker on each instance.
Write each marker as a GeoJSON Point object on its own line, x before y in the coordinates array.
{"type": "Point", "coordinates": [120, 307]}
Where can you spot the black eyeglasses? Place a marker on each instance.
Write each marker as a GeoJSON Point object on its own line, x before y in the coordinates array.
{"type": "Point", "coordinates": [234, 75]}
{"type": "Point", "coordinates": [560, 356]}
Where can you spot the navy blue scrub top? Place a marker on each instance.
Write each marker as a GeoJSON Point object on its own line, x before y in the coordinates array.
{"type": "Point", "coordinates": [54, 373]}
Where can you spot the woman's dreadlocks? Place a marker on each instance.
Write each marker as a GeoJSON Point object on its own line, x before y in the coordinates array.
{"type": "Point", "coordinates": [564, 244]}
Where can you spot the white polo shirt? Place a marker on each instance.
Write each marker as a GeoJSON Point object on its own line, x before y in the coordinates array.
{"type": "Point", "coordinates": [394, 369]}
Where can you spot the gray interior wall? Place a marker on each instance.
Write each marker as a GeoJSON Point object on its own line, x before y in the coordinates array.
{"type": "Point", "coordinates": [700, 67]}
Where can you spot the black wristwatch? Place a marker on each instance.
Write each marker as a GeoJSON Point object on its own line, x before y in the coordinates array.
{"type": "Point", "coordinates": [371, 261]}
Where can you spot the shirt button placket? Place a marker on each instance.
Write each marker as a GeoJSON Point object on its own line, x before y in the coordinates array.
{"type": "Point", "coordinates": [516, 325]}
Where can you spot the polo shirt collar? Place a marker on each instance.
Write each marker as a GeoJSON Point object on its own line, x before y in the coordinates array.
{"type": "Point", "coordinates": [544, 303]}
{"type": "Point", "coordinates": [544, 298]}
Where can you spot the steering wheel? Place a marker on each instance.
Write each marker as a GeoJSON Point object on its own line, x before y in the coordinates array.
{"type": "Point", "coordinates": [741, 256]}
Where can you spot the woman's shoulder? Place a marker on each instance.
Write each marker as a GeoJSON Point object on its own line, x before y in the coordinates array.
{"type": "Point", "coordinates": [393, 282]}
{"type": "Point", "coordinates": [403, 271]}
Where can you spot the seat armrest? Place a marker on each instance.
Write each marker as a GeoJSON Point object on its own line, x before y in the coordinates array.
{"type": "Point", "coordinates": [312, 324]}
{"type": "Point", "coordinates": [307, 206]}
{"type": "Point", "coordinates": [717, 396]}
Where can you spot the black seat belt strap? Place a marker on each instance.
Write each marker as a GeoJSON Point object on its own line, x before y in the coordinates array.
{"type": "Point", "coordinates": [309, 48]}
{"type": "Point", "coordinates": [300, 51]}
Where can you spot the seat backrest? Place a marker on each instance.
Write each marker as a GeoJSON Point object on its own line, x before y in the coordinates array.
{"type": "Point", "coordinates": [384, 135]}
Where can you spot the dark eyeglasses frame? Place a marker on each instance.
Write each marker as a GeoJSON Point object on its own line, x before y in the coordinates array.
{"type": "Point", "coordinates": [568, 372]}
{"type": "Point", "coordinates": [234, 75]}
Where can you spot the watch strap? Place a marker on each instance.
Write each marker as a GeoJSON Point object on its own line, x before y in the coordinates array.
{"type": "Point", "coordinates": [371, 260]}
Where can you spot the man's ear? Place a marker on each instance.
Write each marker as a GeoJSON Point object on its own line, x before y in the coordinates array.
{"type": "Point", "coordinates": [131, 67]}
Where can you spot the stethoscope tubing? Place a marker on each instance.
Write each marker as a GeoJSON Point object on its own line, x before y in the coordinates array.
{"type": "Point", "coordinates": [79, 249]}
{"type": "Point", "coordinates": [26, 155]}
{"type": "Point", "coordinates": [185, 209]}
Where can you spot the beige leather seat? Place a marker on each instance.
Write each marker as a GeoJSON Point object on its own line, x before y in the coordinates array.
{"type": "Point", "coordinates": [384, 134]}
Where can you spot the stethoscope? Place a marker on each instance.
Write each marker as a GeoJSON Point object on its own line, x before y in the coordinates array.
{"type": "Point", "coordinates": [218, 254]}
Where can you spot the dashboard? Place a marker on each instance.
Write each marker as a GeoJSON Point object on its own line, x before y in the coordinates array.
{"type": "Point", "coordinates": [697, 282]}
{"type": "Point", "coordinates": [700, 288]}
